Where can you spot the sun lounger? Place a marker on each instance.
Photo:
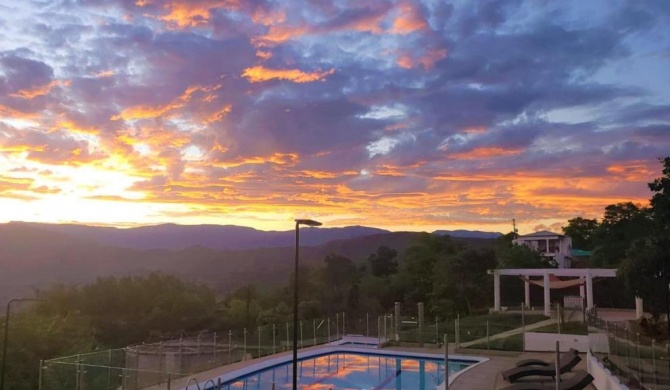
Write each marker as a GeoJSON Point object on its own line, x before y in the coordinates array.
{"type": "Point", "coordinates": [540, 362]}
{"type": "Point", "coordinates": [565, 365]}
{"type": "Point", "coordinates": [579, 381]}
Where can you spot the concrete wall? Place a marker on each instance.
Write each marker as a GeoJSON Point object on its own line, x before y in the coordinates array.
{"type": "Point", "coordinates": [602, 378]}
{"type": "Point", "coordinates": [547, 342]}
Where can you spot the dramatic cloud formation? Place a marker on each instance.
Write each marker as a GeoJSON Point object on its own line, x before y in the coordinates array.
{"type": "Point", "coordinates": [403, 114]}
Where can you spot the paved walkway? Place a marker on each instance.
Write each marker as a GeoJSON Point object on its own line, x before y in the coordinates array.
{"type": "Point", "coordinates": [536, 325]}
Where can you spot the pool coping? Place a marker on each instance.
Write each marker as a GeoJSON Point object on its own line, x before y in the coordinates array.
{"type": "Point", "coordinates": [335, 348]}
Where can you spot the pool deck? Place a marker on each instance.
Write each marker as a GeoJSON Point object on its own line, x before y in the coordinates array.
{"type": "Point", "coordinates": [486, 375]}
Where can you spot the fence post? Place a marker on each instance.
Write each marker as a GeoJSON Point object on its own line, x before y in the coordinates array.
{"type": "Point", "coordinates": [488, 345]}
{"type": "Point", "coordinates": [328, 330]}
{"type": "Point", "coordinates": [420, 323]}
{"type": "Point", "coordinates": [637, 349]}
{"type": "Point", "coordinates": [396, 322]}
{"type": "Point", "coordinates": [653, 361]}
{"type": "Point", "coordinates": [287, 339]}
{"type": "Point", "coordinates": [78, 372]}
{"type": "Point", "coordinates": [367, 324]}
{"type": "Point", "coordinates": [230, 344]}
{"type": "Point", "coordinates": [274, 342]}
{"type": "Point", "coordinates": [259, 341]}
{"type": "Point", "coordinates": [109, 364]}
{"type": "Point", "coordinates": [344, 324]}
{"type": "Point", "coordinates": [557, 366]}
{"type": "Point", "coordinates": [39, 380]}
{"type": "Point", "coordinates": [169, 380]}
{"type": "Point", "coordinates": [437, 333]}
{"type": "Point", "coordinates": [301, 343]}
{"type": "Point", "coordinates": [456, 341]}
{"type": "Point", "coordinates": [314, 332]}
{"type": "Point", "coordinates": [197, 346]}
{"type": "Point", "coordinates": [379, 331]}
{"type": "Point", "coordinates": [215, 347]}
{"type": "Point", "coordinates": [523, 328]}
{"type": "Point", "coordinates": [337, 326]}
{"type": "Point", "coordinates": [181, 345]}
{"type": "Point", "coordinates": [244, 350]}
{"type": "Point", "coordinates": [558, 317]}
{"type": "Point", "coordinates": [446, 361]}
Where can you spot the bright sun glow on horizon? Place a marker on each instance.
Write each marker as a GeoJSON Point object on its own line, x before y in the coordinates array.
{"type": "Point", "coordinates": [407, 115]}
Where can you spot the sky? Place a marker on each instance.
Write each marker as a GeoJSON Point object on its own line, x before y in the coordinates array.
{"type": "Point", "coordinates": [404, 115]}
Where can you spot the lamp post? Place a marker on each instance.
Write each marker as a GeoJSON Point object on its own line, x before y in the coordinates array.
{"type": "Point", "coordinates": [298, 222]}
{"type": "Point", "coordinates": [4, 344]}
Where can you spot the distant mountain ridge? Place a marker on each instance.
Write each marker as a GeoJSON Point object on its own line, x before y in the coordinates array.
{"type": "Point", "coordinates": [36, 255]}
{"type": "Point", "coordinates": [221, 237]}
{"type": "Point", "coordinates": [468, 234]}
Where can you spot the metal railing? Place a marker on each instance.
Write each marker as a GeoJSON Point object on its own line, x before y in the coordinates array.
{"type": "Point", "coordinates": [640, 362]}
{"type": "Point", "coordinates": [146, 365]}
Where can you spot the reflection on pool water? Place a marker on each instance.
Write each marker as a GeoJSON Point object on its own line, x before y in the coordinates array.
{"type": "Point", "coordinates": [347, 370]}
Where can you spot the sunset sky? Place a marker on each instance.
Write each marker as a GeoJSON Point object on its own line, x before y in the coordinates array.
{"type": "Point", "coordinates": [404, 115]}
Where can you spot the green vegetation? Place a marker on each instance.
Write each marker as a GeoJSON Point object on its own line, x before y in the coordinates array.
{"type": "Point", "coordinates": [572, 327]}
{"type": "Point", "coordinates": [511, 343]}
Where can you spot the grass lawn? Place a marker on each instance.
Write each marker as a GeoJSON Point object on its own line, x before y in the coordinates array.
{"type": "Point", "coordinates": [573, 327]}
{"type": "Point", "coordinates": [471, 327]}
{"type": "Point", "coordinates": [511, 343]}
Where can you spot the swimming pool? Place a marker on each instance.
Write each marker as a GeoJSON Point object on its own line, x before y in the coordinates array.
{"type": "Point", "coordinates": [348, 369]}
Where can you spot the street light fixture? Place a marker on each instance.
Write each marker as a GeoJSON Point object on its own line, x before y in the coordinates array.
{"type": "Point", "coordinates": [298, 222]}
{"type": "Point", "coordinates": [4, 344]}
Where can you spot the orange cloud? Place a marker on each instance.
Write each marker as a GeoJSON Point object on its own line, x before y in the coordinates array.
{"type": "Point", "coordinates": [148, 112]}
{"type": "Point", "coordinates": [258, 74]}
{"type": "Point", "coordinates": [280, 34]}
{"type": "Point", "coordinates": [182, 14]}
{"type": "Point", "coordinates": [409, 20]}
{"type": "Point", "coordinates": [41, 90]}
{"type": "Point", "coordinates": [276, 158]}
{"type": "Point", "coordinates": [633, 170]}
{"type": "Point", "coordinates": [485, 152]}
{"type": "Point", "coordinates": [427, 60]}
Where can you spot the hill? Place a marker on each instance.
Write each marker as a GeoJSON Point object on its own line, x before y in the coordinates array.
{"type": "Point", "coordinates": [224, 237]}
{"type": "Point", "coordinates": [33, 257]}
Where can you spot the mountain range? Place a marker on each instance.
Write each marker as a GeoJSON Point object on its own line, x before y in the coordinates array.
{"type": "Point", "coordinates": [224, 257]}
{"type": "Point", "coordinates": [224, 237]}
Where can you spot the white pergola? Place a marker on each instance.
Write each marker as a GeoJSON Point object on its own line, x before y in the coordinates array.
{"type": "Point", "coordinates": [585, 274]}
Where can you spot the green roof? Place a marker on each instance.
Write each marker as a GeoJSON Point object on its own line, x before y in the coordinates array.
{"type": "Point", "coordinates": [579, 252]}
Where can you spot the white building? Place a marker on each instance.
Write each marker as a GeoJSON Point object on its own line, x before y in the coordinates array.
{"type": "Point", "coordinates": [549, 244]}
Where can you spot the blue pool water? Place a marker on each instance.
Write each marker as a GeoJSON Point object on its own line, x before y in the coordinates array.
{"type": "Point", "coordinates": [352, 370]}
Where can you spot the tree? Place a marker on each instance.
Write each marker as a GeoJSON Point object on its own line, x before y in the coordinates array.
{"type": "Point", "coordinates": [621, 226]}
{"type": "Point", "coordinates": [338, 277]}
{"type": "Point", "coordinates": [383, 262]}
{"type": "Point", "coordinates": [459, 281]}
{"type": "Point", "coordinates": [420, 260]}
{"type": "Point", "coordinates": [581, 230]}
{"type": "Point", "coordinates": [646, 269]}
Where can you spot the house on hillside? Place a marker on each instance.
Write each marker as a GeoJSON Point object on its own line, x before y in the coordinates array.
{"type": "Point", "coordinates": [549, 244]}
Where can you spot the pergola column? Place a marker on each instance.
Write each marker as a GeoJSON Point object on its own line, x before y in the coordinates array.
{"type": "Point", "coordinates": [547, 297]}
{"type": "Point", "coordinates": [589, 291]}
{"type": "Point", "coordinates": [639, 308]}
{"type": "Point", "coordinates": [496, 291]}
{"type": "Point", "coordinates": [526, 288]}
